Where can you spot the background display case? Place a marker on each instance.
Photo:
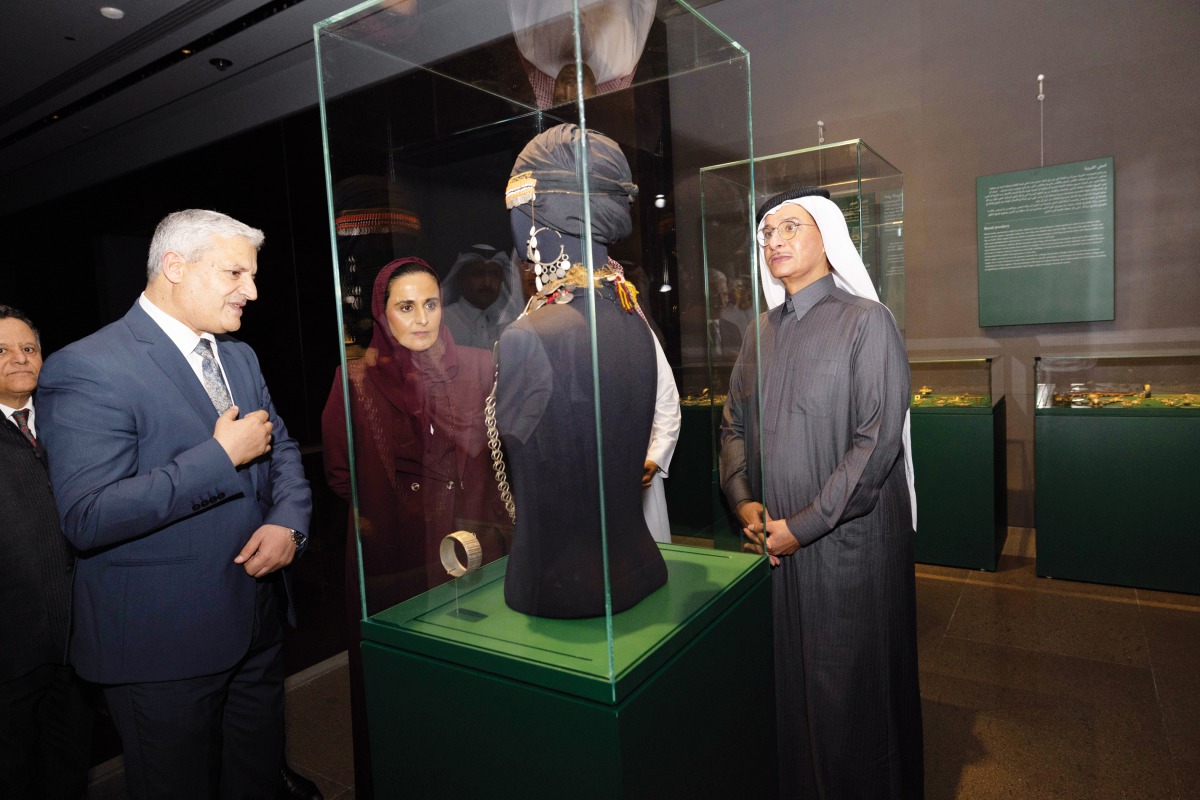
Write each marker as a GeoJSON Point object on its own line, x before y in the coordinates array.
{"type": "Point", "coordinates": [958, 440]}
{"type": "Point", "coordinates": [951, 383]}
{"type": "Point", "coordinates": [870, 192]}
{"type": "Point", "coordinates": [1136, 382]}
{"type": "Point", "coordinates": [868, 189]}
{"type": "Point", "coordinates": [1116, 444]}
{"type": "Point", "coordinates": [424, 117]}
{"type": "Point", "coordinates": [697, 506]}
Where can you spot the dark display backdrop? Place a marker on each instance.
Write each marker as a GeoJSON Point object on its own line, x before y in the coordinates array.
{"type": "Point", "coordinates": [82, 259]}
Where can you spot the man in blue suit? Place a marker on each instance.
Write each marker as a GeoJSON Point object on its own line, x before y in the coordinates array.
{"type": "Point", "coordinates": [180, 487]}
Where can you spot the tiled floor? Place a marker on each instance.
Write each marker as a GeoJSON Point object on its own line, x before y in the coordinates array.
{"type": "Point", "coordinates": [318, 728]}
{"type": "Point", "coordinates": [1036, 688]}
{"type": "Point", "coordinates": [1033, 688]}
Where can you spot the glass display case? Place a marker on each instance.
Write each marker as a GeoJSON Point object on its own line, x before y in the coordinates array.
{"type": "Point", "coordinates": [959, 448]}
{"type": "Point", "coordinates": [1115, 440]}
{"type": "Point", "coordinates": [951, 383]}
{"type": "Point", "coordinates": [870, 192]}
{"type": "Point", "coordinates": [515, 212]}
{"type": "Point", "coordinates": [1127, 382]}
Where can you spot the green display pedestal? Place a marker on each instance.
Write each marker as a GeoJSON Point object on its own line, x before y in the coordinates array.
{"type": "Point", "coordinates": [959, 460]}
{"type": "Point", "coordinates": [467, 698]}
{"type": "Point", "coordinates": [1116, 496]}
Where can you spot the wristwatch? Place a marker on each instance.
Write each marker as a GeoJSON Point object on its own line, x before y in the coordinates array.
{"type": "Point", "coordinates": [298, 538]}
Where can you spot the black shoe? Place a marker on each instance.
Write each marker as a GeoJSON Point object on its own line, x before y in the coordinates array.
{"type": "Point", "coordinates": [294, 786]}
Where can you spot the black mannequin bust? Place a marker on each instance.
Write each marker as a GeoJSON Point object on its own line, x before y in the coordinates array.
{"type": "Point", "coordinates": [562, 470]}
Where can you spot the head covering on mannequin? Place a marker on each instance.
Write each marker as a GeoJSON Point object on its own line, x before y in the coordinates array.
{"type": "Point", "coordinates": [546, 182]}
{"type": "Point", "coordinates": [849, 273]}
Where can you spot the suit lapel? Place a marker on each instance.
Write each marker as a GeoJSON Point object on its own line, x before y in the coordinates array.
{"type": "Point", "coordinates": [174, 365]}
{"type": "Point", "coordinates": [166, 355]}
{"type": "Point", "coordinates": [172, 362]}
{"type": "Point", "coordinates": [237, 372]}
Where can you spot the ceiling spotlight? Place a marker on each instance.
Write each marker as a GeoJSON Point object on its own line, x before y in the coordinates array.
{"type": "Point", "coordinates": [221, 64]}
{"type": "Point", "coordinates": [110, 12]}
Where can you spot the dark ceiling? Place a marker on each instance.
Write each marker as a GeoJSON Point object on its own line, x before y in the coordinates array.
{"type": "Point", "coordinates": [84, 98]}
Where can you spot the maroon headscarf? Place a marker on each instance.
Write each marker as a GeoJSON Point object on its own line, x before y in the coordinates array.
{"type": "Point", "coordinates": [400, 374]}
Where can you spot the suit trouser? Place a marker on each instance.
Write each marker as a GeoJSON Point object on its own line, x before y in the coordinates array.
{"type": "Point", "coordinates": [212, 736]}
{"type": "Point", "coordinates": [45, 735]}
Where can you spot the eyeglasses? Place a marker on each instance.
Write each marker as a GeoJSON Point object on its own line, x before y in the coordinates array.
{"type": "Point", "coordinates": [787, 231]}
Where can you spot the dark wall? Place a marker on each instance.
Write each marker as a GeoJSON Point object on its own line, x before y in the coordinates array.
{"type": "Point", "coordinates": [80, 262]}
{"type": "Point", "coordinates": [947, 91]}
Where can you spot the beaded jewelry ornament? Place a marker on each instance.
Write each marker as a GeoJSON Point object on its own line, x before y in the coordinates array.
{"type": "Point", "coordinates": [545, 272]}
{"type": "Point", "coordinates": [522, 189]}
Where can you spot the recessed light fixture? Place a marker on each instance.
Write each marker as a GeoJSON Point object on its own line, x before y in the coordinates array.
{"type": "Point", "coordinates": [221, 64]}
{"type": "Point", "coordinates": [112, 12]}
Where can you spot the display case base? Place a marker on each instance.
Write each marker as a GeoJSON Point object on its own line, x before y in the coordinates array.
{"type": "Point", "coordinates": [492, 703]}
{"type": "Point", "coordinates": [1116, 497]}
{"type": "Point", "coordinates": [959, 460]}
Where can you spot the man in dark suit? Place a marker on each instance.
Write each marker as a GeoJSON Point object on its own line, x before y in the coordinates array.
{"type": "Point", "coordinates": [183, 492]}
{"type": "Point", "coordinates": [45, 722]}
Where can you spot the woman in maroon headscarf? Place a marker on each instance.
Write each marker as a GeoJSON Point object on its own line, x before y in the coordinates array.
{"type": "Point", "coordinates": [422, 465]}
{"type": "Point", "coordinates": [421, 457]}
